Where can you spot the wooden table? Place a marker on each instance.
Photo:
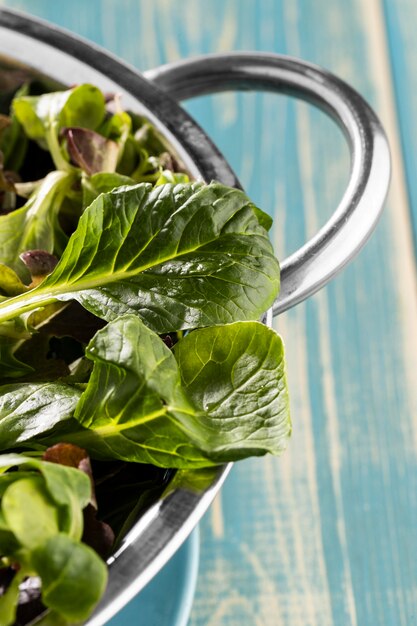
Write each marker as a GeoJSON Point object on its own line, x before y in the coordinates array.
{"type": "Point", "coordinates": [327, 534]}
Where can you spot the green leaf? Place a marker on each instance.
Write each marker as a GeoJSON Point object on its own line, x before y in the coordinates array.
{"type": "Point", "coordinates": [65, 490]}
{"type": "Point", "coordinates": [35, 225]}
{"type": "Point", "coordinates": [58, 478]}
{"type": "Point", "coordinates": [13, 141]}
{"type": "Point", "coordinates": [6, 479]}
{"type": "Point", "coordinates": [10, 282]}
{"type": "Point", "coordinates": [80, 106]}
{"type": "Point", "coordinates": [236, 375]}
{"type": "Point", "coordinates": [41, 523]}
{"type": "Point", "coordinates": [220, 397]}
{"type": "Point", "coordinates": [11, 459]}
{"type": "Point", "coordinates": [42, 117]}
{"type": "Point", "coordinates": [130, 157]}
{"type": "Point", "coordinates": [180, 256]}
{"type": "Point", "coordinates": [194, 480]}
{"type": "Point", "coordinates": [166, 176]}
{"type": "Point", "coordinates": [11, 366]}
{"type": "Point", "coordinates": [103, 182]}
{"type": "Point", "coordinates": [118, 128]}
{"type": "Point", "coordinates": [71, 490]}
{"type": "Point", "coordinates": [9, 600]}
{"type": "Point", "coordinates": [134, 407]}
{"type": "Point", "coordinates": [30, 512]}
{"type": "Point", "coordinates": [23, 350]}
{"type": "Point", "coordinates": [28, 409]}
{"type": "Point", "coordinates": [226, 399]}
{"type": "Point", "coordinates": [66, 483]}
{"type": "Point", "coordinates": [73, 576]}
{"type": "Point", "coordinates": [9, 545]}
{"type": "Point", "coordinates": [147, 136]}
{"type": "Point", "coordinates": [13, 144]}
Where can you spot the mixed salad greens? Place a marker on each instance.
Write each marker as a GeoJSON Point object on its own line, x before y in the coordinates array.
{"type": "Point", "coordinates": [130, 344]}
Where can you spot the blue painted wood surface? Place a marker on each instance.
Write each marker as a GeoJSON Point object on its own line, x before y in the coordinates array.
{"type": "Point", "coordinates": [327, 534]}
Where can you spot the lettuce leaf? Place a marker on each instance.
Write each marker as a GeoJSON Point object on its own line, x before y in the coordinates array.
{"type": "Point", "coordinates": [41, 524]}
{"type": "Point", "coordinates": [35, 225]}
{"type": "Point", "coordinates": [42, 117]}
{"type": "Point", "coordinates": [73, 576]}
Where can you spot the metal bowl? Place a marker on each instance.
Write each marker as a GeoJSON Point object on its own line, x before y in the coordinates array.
{"type": "Point", "coordinates": [38, 48]}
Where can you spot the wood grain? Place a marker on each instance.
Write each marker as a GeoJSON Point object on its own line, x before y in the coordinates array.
{"type": "Point", "coordinates": [327, 534]}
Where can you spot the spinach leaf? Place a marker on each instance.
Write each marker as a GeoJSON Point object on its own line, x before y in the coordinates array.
{"type": "Point", "coordinates": [223, 399]}
{"type": "Point", "coordinates": [180, 256]}
{"type": "Point", "coordinates": [28, 409]}
{"type": "Point", "coordinates": [236, 375]}
{"type": "Point", "coordinates": [221, 396]}
{"type": "Point", "coordinates": [134, 407]}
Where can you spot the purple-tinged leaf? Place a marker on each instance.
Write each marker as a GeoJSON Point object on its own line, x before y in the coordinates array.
{"type": "Point", "coordinates": [91, 151]}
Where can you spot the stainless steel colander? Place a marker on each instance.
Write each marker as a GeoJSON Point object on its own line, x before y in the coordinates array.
{"type": "Point", "coordinates": [43, 49]}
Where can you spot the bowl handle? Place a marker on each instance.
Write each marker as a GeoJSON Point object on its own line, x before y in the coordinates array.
{"type": "Point", "coordinates": [316, 262]}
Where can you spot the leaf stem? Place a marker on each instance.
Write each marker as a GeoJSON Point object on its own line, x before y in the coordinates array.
{"type": "Point", "coordinates": [51, 136]}
{"type": "Point", "coordinates": [23, 303]}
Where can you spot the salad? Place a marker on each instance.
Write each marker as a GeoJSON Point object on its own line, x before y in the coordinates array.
{"type": "Point", "coordinates": [130, 340]}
